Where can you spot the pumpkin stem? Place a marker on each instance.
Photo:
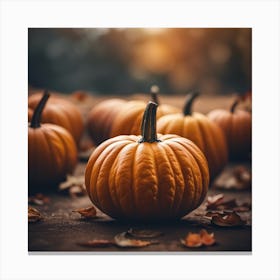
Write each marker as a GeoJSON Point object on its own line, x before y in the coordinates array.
{"type": "Point", "coordinates": [187, 110]}
{"type": "Point", "coordinates": [154, 93]}
{"type": "Point", "coordinates": [149, 121]}
{"type": "Point", "coordinates": [233, 106]}
{"type": "Point", "coordinates": [36, 118]}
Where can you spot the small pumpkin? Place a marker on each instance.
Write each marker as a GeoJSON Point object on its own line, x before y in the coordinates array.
{"type": "Point", "coordinates": [201, 130]}
{"type": "Point", "coordinates": [147, 177]}
{"type": "Point", "coordinates": [101, 117]}
{"type": "Point", "coordinates": [52, 152]}
{"type": "Point", "coordinates": [61, 112]}
{"type": "Point", "coordinates": [237, 127]}
{"type": "Point", "coordinates": [128, 119]}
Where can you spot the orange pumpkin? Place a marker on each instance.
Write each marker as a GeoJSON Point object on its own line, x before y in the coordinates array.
{"type": "Point", "coordinates": [61, 112]}
{"type": "Point", "coordinates": [114, 117]}
{"type": "Point", "coordinates": [147, 177]}
{"type": "Point", "coordinates": [100, 119]}
{"type": "Point", "coordinates": [52, 152]}
{"type": "Point", "coordinates": [201, 130]}
{"type": "Point", "coordinates": [237, 127]}
{"type": "Point", "coordinates": [128, 119]}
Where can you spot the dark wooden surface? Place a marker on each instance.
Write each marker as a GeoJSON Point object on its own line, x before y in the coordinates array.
{"type": "Point", "coordinates": [61, 229]}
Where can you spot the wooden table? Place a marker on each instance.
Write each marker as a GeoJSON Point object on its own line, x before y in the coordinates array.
{"type": "Point", "coordinates": [62, 229]}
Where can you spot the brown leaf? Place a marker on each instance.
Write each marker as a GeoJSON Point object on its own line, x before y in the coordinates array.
{"type": "Point", "coordinates": [227, 220]}
{"type": "Point", "coordinates": [89, 212]}
{"type": "Point", "coordinates": [212, 214]}
{"type": "Point", "coordinates": [213, 200]}
{"type": "Point", "coordinates": [34, 215]}
{"type": "Point", "coordinates": [217, 202]}
{"type": "Point", "coordinates": [96, 243]}
{"type": "Point", "coordinates": [122, 241]}
{"type": "Point", "coordinates": [39, 199]}
{"type": "Point", "coordinates": [143, 233]}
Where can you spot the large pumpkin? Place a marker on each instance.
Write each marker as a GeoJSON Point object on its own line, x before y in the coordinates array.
{"type": "Point", "coordinates": [52, 152]}
{"type": "Point", "coordinates": [61, 112]}
{"type": "Point", "coordinates": [128, 119]}
{"type": "Point", "coordinates": [237, 127]}
{"type": "Point", "coordinates": [147, 177]}
{"type": "Point", "coordinates": [201, 130]}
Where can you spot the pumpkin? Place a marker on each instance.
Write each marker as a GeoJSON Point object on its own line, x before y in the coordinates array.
{"type": "Point", "coordinates": [237, 127]}
{"type": "Point", "coordinates": [128, 119]}
{"type": "Point", "coordinates": [52, 152]}
{"type": "Point", "coordinates": [201, 130]}
{"type": "Point", "coordinates": [61, 112]}
{"type": "Point", "coordinates": [100, 119]}
{"type": "Point", "coordinates": [147, 177]}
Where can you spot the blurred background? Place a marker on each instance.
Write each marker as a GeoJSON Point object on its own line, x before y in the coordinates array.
{"type": "Point", "coordinates": [215, 61]}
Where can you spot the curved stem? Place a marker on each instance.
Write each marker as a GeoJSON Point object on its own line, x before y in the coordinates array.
{"type": "Point", "coordinates": [148, 127]}
{"type": "Point", "coordinates": [154, 93]}
{"type": "Point", "coordinates": [233, 106]}
{"type": "Point", "coordinates": [36, 118]}
{"type": "Point", "coordinates": [187, 110]}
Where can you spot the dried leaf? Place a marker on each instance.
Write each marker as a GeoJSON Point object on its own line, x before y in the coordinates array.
{"type": "Point", "coordinates": [207, 238]}
{"type": "Point", "coordinates": [96, 243]}
{"type": "Point", "coordinates": [228, 220]}
{"type": "Point", "coordinates": [212, 214]}
{"type": "Point", "coordinates": [122, 241]}
{"type": "Point", "coordinates": [89, 212]}
{"type": "Point", "coordinates": [39, 199]}
{"type": "Point", "coordinates": [217, 202]}
{"type": "Point", "coordinates": [72, 181]}
{"type": "Point", "coordinates": [192, 240]}
{"type": "Point", "coordinates": [76, 191]}
{"type": "Point", "coordinates": [74, 185]}
{"type": "Point", "coordinates": [34, 215]}
{"type": "Point", "coordinates": [143, 233]}
{"type": "Point", "coordinates": [195, 240]}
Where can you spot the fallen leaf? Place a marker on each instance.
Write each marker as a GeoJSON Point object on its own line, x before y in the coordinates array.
{"type": "Point", "coordinates": [34, 215]}
{"type": "Point", "coordinates": [143, 233]}
{"type": "Point", "coordinates": [76, 191]}
{"type": "Point", "coordinates": [121, 240]}
{"type": "Point", "coordinates": [89, 212]}
{"type": "Point", "coordinates": [96, 243]}
{"type": "Point", "coordinates": [213, 200]}
{"type": "Point", "coordinates": [74, 185]}
{"type": "Point", "coordinates": [195, 240]}
{"type": "Point", "coordinates": [212, 214]}
{"type": "Point", "coordinates": [39, 199]}
{"type": "Point", "coordinates": [207, 238]}
{"type": "Point", "coordinates": [192, 240]}
{"type": "Point", "coordinates": [217, 202]}
{"type": "Point", "coordinates": [228, 220]}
